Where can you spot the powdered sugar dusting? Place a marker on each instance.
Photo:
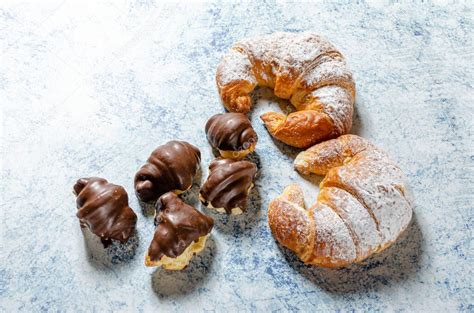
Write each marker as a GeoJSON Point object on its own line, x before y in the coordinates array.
{"type": "Point", "coordinates": [330, 71]}
{"type": "Point", "coordinates": [235, 66]}
{"type": "Point", "coordinates": [373, 179]}
{"type": "Point", "coordinates": [305, 60]}
{"type": "Point", "coordinates": [285, 51]}
{"type": "Point", "coordinates": [333, 239]}
{"type": "Point", "coordinates": [356, 217]}
{"type": "Point", "coordinates": [290, 222]}
{"type": "Point", "coordinates": [362, 205]}
{"type": "Point", "coordinates": [337, 102]}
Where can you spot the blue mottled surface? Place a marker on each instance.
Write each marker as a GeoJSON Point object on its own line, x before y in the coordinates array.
{"type": "Point", "coordinates": [93, 89]}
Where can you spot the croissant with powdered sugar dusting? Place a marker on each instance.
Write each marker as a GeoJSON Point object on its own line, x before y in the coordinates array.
{"type": "Point", "coordinates": [363, 206]}
{"type": "Point", "coordinates": [302, 67]}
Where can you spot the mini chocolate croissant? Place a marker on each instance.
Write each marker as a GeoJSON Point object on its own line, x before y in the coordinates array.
{"type": "Point", "coordinates": [181, 232]}
{"type": "Point", "coordinates": [228, 185]}
{"type": "Point", "coordinates": [170, 167]}
{"type": "Point", "coordinates": [232, 134]}
{"type": "Point", "coordinates": [103, 208]}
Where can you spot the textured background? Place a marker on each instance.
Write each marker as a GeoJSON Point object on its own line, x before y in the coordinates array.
{"type": "Point", "coordinates": [93, 89]}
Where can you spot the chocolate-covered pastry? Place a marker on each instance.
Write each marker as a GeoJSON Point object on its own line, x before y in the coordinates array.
{"type": "Point", "coordinates": [232, 134]}
{"type": "Point", "coordinates": [103, 208]}
{"type": "Point", "coordinates": [181, 232]}
{"type": "Point", "coordinates": [170, 167]}
{"type": "Point", "coordinates": [228, 185]}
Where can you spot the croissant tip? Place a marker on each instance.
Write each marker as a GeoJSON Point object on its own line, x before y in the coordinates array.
{"type": "Point", "coordinates": [240, 104]}
{"type": "Point", "coordinates": [293, 185]}
{"type": "Point", "coordinates": [272, 120]}
{"type": "Point", "coordinates": [301, 165]}
{"type": "Point", "coordinates": [267, 116]}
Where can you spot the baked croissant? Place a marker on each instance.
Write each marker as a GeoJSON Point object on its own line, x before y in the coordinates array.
{"type": "Point", "coordinates": [363, 206]}
{"type": "Point", "coordinates": [302, 67]}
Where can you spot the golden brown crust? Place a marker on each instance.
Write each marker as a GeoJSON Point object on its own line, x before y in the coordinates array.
{"type": "Point", "coordinates": [235, 91]}
{"type": "Point", "coordinates": [333, 245]}
{"type": "Point", "coordinates": [300, 129]}
{"type": "Point", "coordinates": [290, 223]}
{"type": "Point", "coordinates": [363, 207]}
{"type": "Point", "coordinates": [236, 96]}
{"type": "Point", "coordinates": [320, 158]}
{"type": "Point", "coordinates": [302, 67]}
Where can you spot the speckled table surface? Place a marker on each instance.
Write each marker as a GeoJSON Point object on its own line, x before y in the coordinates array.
{"type": "Point", "coordinates": [92, 89]}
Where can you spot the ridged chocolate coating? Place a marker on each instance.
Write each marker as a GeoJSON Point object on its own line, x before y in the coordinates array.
{"type": "Point", "coordinates": [230, 132]}
{"type": "Point", "coordinates": [103, 208]}
{"type": "Point", "coordinates": [170, 167]}
{"type": "Point", "coordinates": [228, 184]}
{"type": "Point", "coordinates": [177, 226]}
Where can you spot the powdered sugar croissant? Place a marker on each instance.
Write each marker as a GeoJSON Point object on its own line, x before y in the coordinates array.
{"type": "Point", "coordinates": [363, 206]}
{"type": "Point", "coordinates": [302, 67]}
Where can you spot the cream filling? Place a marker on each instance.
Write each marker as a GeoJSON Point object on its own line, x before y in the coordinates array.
{"type": "Point", "coordinates": [234, 211]}
{"type": "Point", "coordinates": [182, 260]}
{"type": "Point", "coordinates": [229, 154]}
{"type": "Point", "coordinates": [178, 192]}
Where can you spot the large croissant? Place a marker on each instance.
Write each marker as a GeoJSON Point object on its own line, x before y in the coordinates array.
{"type": "Point", "coordinates": [302, 67]}
{"type": "Point", "coordinates": [363, 206]}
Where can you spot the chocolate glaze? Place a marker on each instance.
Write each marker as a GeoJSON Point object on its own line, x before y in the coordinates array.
{"type": "Point", "coordinates": [170, 167]}
{"type": "Point", "coordinates": [177, 226]}
{"type": "Point", "coordinates": [228, 184]}
{"type": "Point", "coordinates": [230, 132]}
{"type": "Point", "coordinates": [103, 208]}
